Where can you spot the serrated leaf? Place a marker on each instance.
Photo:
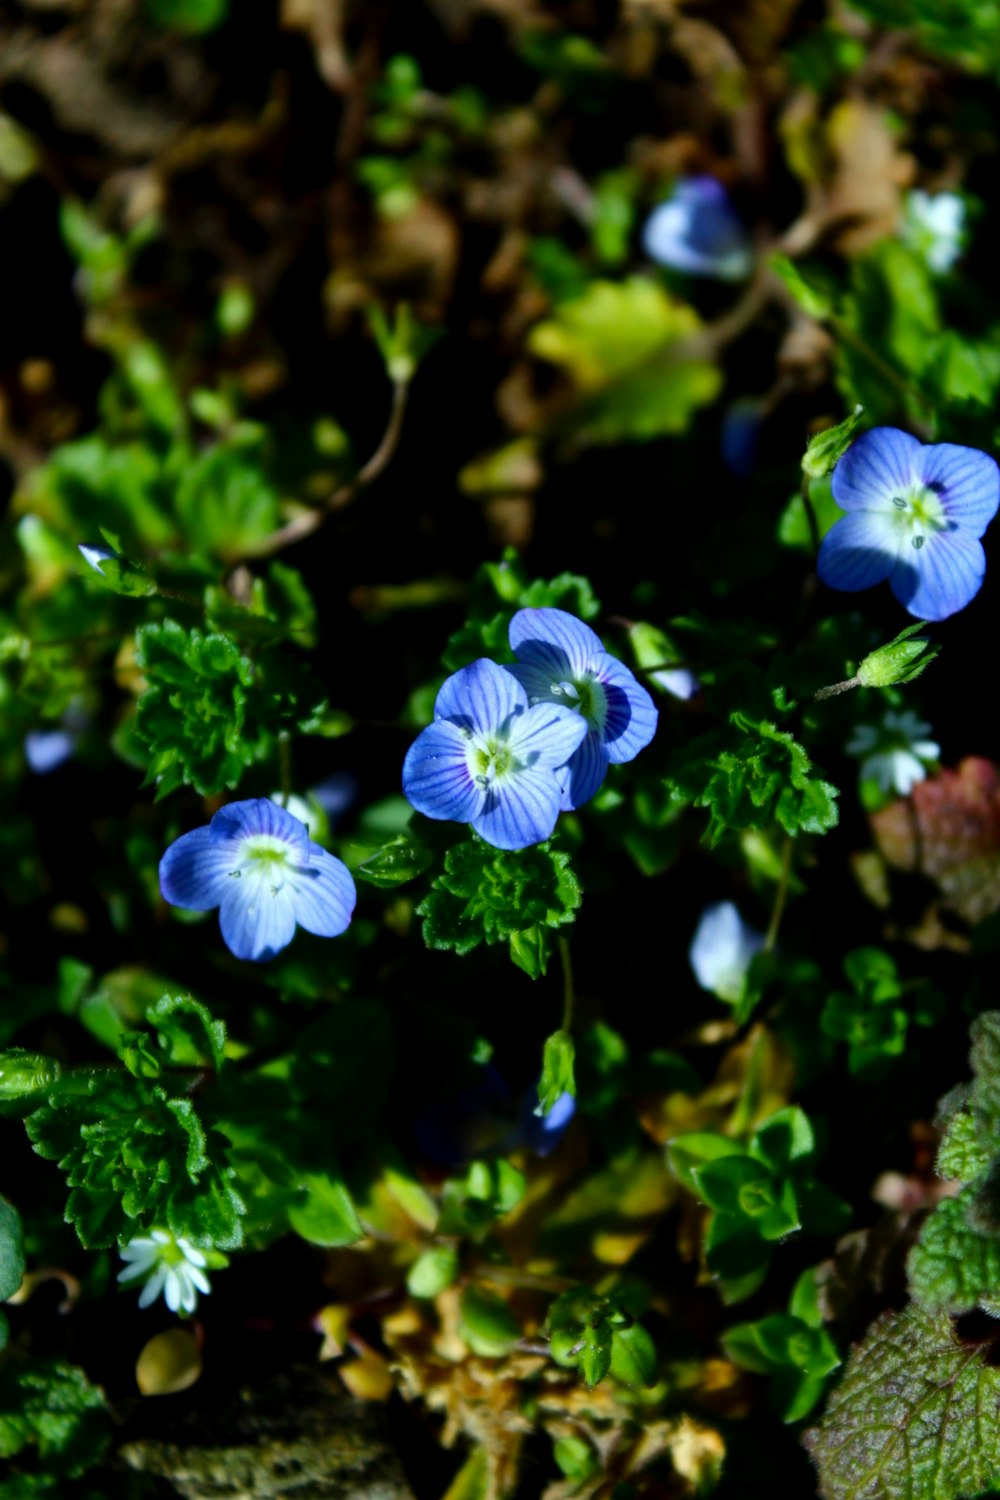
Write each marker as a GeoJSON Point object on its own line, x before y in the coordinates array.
{"type": "Point", "coordinates": [914, 1417]}
{"type": "Point", "coordinates": [985, 1099]}
{"type": "Point", "coordinates": [953, 1267]}
{"type": "Point", "coordinates": [188, 1034]}
{"type": "Point", "coordinates": [960, 1154]}
{"type": "Point", "coordinates": [486, 895]}
{"type": "Point", "coordinates": [49, 1405]}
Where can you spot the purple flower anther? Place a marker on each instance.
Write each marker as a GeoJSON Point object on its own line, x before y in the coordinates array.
{"type": "Point", "coordinates": [257, 864]}
{"type": "Point", "coordinates": [915, 514]}
{"type": "Point", "coordinates": [698, 231]}
{"type": "Point", "coordinates": [561, 660]}
{"type": "Point", "coordinates": [490, 759]}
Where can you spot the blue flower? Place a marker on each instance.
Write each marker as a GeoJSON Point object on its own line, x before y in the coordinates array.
{"type": "Point", "coordinates": [491, 760]}
{"type": "Point", "coordinates": [722, 951]}
{"type": "Point", "coordinates": [915, 516]}
{"type": "Point", "coordinates": [561, 660]}
{"type": "Point", "coordinates": [697, 230]}
{"type": "Point", "coordinates": [258, 865]}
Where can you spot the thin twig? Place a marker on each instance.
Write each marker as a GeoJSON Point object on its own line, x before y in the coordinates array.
{"type": "Point", "coordinates": [308, 521]}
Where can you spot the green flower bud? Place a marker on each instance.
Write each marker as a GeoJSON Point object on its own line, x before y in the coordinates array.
{"type": "Point", "coordinates": [826, 449]}
{"type": "Point", "coordinates": [25, 1073]}
{"type": "Point", "coordinates": [900, 661]}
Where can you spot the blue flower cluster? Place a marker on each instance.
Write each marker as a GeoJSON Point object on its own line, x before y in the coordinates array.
{"type": "Point", "coordinates": [510, 747]}
{"type": "Point", "coordinates": [915, 513]}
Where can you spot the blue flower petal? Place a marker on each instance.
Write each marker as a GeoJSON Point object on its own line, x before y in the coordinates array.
{"type": "Point", "coordinates": [323, 894]}
{"type": "Point", "coordinates": [257, 918]}
{"type": "Point", "coordinates": [481, 696]}
{"type": "Point", "coordinates": [520, 810]}
{"type": "Point", "coordinates": [878, 465]}
{"type": "Point", "coordinates": [950, 568]}
{"type": "Point", "coordinates": [195, 870]}
{"type": "Point", "coordinates": [584, 774]}
{"type": "Point", "coordinates": [259, 815]}
{"type": "Point", "coordinates": [967, 481]}
{"type": "Point", "coordinates": [436, 776]}
{"type": "Point", "coordinates": [697, 230]}
{"type": "Point", "coordinates": [538, 681]}
{"type": "Point", "coordinates": [861, 549]}
{"type": "Point", "coordinates": [555, 642]}
{"type": "Point", "coordinates": [631, 715]}
{"type": "Point", "coordinates": [546, 736]}
{"type": "Point", "coordinates": [47, 749]}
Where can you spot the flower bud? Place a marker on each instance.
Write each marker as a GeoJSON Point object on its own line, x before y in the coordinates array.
{"type": "Point", "coordinates": [901, 660]}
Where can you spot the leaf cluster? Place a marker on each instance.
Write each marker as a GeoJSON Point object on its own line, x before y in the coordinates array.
{"type": "Point", "coordinates": [488, 895]}
{"type": "Point", "coordinates": [598, 1336]}
{"type": "Point", "coordinates": [752, 774]}
{"type": "Point", "coordinates": [208, 711]}
{"type": "Point", "coordinates": [759, 1193]}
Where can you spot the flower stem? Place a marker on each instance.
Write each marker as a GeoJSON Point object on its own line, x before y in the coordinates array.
{"type": "Point", "coordinates": [838, 687]}
{"type": "Point", "coordinates": [569, 994]}
{"type": "Point", "coordinates": [780, 895]}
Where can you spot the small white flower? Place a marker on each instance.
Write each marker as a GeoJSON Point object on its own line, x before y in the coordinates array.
{"type": "Point", "coordinates": [169, 1265]}
{"type": "Point", "coordinates": [722, 950]}
{"type": "Point", "coordinates": [934, 226]}
{"type": "Point", "coordinates": [677, 681]}
{"type": "Point", "coordinates": [896, 753]}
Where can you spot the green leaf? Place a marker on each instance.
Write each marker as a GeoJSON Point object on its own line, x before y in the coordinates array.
{"type": "Point", "coordinates": [960, 1154]}
{"type": "Point", "coordinates": [633, 1356]}
{"type": "Point", "coordinates": [686, 1153]}
{"type": "Point", "coordinates": [50, 1406]}
{"type": "Point", "coordinates": [985, 1098]}
{"type": "Point", "coordinates": [807, 291]}
{"type": "Point", "coordinates": [400, 860]}
{"type": "Point", "coordinates": [487, 1324]}
{"type": "Point", "coordinates": [433, 1271]}
{"type": "Point", "coordinates": [529, 950]}
{"type": "Point", "coordinates": [486, 894]}
{"type": "Point", "coordinates": [784, 1138]}
{"type": "Point", "coordinates": [25, 1075]}
{"type": "Point", "coordinates": [953, 1267]}
{"type": "Point", "coordinates": [914, 1415]}
{"type": "Point", "coordinates": [557, 1071]}
{"type": "Point", "coordinates": [750, 776]}
{"type": "Point", "coordinates": [630, 350]}
{"type": "Point", "coordinates": [133, 1157]}
{"type": "Point", "coordinates": [187, 1033]}
{"type": "Point", "coordinates": [326, 1215]}
{"type": "Point", "coordinates": [11, 1250]}
{"type": "Point", "coordinates": [226, 503]}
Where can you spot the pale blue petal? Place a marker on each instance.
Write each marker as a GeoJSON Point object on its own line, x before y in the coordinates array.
{"type": "Point", "coordinates": [950, 568]}
{"type": "Point", "coordinates": [519, 811]}
{"type": "Point", "coordinates": [153, 1287]}
{"type": "Point", "coordinates": [967, 481]}
{"type": "Point", "coordinates": [546, 736]}
{"type": "Point", "coordinates": [196, 870]}
{"type": "Point", "coordinates": [631, 715]}
{"type": "Point", "coordinates": [879, 465]}
{"type": "Point", "coordinates": [259, 815]}
{"type": "Point", "coordinates": [861, 550]}
{"type": "Point", "coordinates": [677, 681]}
{"type": "Point", "coordinates": [46, 749]}
{"type": "Point", "coordinates": [436, 776]}
{"type": "Point", "coordinates": [698, 231]}
{"type": "Point", "coordinates": [539, 682]}
{"type": "Point", "coordinates": [582, 777]}
{"type": "Point", "coordinates": [553, 641]}
{"type": "Point", "coordinates": [481, 697]}
{"type": "Point", "coordinates": [323, 894]}
{"type": "Point", "coordinates": [257, 919]}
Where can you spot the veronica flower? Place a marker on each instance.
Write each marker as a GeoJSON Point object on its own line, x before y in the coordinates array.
{"type": "Point", "coordinates": [490, 758]}
{"type": "Point", "coordinates": [697, 230]}
{"type": "Point", "coordinates": [166, 1264]}
{"type": "Point", "coordinates": [561, 660]}
{"type": "Point", "coordinates": [915, 516]}
{"type": "Point", "coordinates": [895, 754]}
{"type": "Point", "coordinates": [722, 951]}
{"type": "Point", "coordinates": [258, 865]}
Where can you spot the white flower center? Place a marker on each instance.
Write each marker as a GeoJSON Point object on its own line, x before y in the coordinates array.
{"type": "Point", "coordinates": [586, 695]}
{"type": "Point", "coordinates": [919, 513]}
{"type": "Point", "coordinates": [264, 860]}
{"type": "Point", "coordinates": [490, 759]}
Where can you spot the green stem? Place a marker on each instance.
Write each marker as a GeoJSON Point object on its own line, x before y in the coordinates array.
{"type": "Point", "coordinates": [285, 764]}
{"type": "Point", "coordinates": [780, 895]}
{"type": "Point", "coordinates": [569, 995]}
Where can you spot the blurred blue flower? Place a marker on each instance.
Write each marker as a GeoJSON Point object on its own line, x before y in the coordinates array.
{"type": "Point", "coordinates": [915, 516]}
{"type": "Point", "coordinates": [561, 661]}
{"type": "Point", "coordinates": [94, 554]}
{"type": "Point", "coordinates": [490, 759]}
{"type": "Point", "coordinates": [697, 230]}
{"type": "Point", "coordinates": [542, 1133]}
{"type": "Point", "coordinates": [722, 951]}
{"type": "Point", "coordinates": [258, 865]}
{"type": "Point", "coordinates": [740, 434]}
{"type": "Point", "coordinates": [46, 749]}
